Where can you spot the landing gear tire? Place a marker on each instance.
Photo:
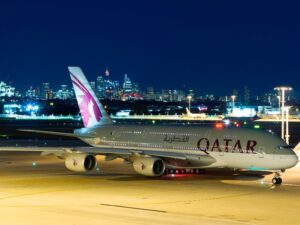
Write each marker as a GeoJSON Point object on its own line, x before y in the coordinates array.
{"type": "Point", "coordinates": [277, 177]}
{"type": "Point", "coordinates": [276, 180]}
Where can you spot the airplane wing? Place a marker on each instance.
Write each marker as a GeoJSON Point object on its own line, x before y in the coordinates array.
{"type": "Point", "coordinates": [116, 151]}
{"type": "Point", "coordinates": [60, 151]}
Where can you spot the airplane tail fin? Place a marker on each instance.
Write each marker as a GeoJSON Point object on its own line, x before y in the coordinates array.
{"type": "Point", "coordinates": [92, 111]}
{"type": "Point", "coordinates": [188, 112]}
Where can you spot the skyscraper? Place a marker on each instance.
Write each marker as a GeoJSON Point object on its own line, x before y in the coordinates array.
{"type": "Point", "coordinates": [127, 85]}
{"type": "Point", "coordinates": [100, 89]}
{"type": "Point", "coordinates": [64, 93]}
{"type": "Point", "coordinates": [46, 92]}
{"type": "Point", "coordinates": [31, 93]}
{"type": "Point", "coordinates": [106, 73]}
{"type": "Point", "coordinates": [93, 86]}
{"type": "Point", "coordinates": [150, 93]}
{"type": "Point", "coordinates": [246, 95]}
{"type": "Point", "coordinates": [6, 90]}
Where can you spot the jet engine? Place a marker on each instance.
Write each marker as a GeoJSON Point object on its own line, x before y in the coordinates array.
{"type": "Point", "coordinates": [149, 166]}
{"type": "Point", "coordinates": [80, 162]}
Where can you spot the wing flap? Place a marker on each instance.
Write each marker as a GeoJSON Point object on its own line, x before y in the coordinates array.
{"type": "Point", "coordinates": [105, 151]}
{"type": "Point", "coordinates": [96, 151]}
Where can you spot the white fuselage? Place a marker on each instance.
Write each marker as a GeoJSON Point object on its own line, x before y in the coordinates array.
{"type": "Point", "coordinates": [203, 147]}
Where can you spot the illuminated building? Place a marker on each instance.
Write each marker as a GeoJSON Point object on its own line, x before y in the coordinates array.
{"type": "Point", "coordinates": [46, 92]}
{"type": "Point", "coordinates": [106, 73]}
{"type": "Point", "coordinates": [64, 93]}
{"type": "Point", "coordinates": [106, 88]}
{"type": "Point", "coordinates": [246, 95]}
{"type": "Point", "coordinates": [210, 97]}
{"type": "Point", "coordinates": [93, 86]}
{"type": "Point", "coordinates": [127, 85]}
{"type": "Point", "coordinates": [150, 95]}
{"type": "Point", "coordinates": [135, 88]}
{"type": "Point", "coordinates": [130, 90]}
{"type": "Point", "coordinates": [32, 93]}
{"type": "Point", "coordinates": [11, 108]}
{"type": "Point", "coordinates": [100, 87]}
{"type": "Point", "coordinates": [6, 90]}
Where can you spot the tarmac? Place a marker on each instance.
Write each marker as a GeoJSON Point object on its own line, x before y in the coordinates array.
{"type": "Point", "coordinates": [40, 190]}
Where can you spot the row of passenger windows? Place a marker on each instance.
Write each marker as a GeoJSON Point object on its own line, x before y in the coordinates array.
{"type": "Point", "coordinates": [132, 132]}
{"type": "Point", "coordinates": [146, 145]}
{"type": "Point", "coordinates": [167, 133]}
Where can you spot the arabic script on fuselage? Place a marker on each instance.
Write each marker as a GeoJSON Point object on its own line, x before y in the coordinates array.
{"type": "Point", "coordinates": [176, 138]}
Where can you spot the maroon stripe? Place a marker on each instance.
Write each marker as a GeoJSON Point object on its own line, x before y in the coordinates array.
{"type": "Point", "coordinates": [78, 81]}
{"type": "Point", "coordinates": [78, 85]}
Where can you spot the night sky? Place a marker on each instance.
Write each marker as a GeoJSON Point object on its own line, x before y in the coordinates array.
{"type": "Point", "coordinates": [209, 46]}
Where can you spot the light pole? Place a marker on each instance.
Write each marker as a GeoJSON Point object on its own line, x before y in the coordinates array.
{"type": "Point", "coordinates": [278, 96]}
{"type": "Point", "coordinates": [282, 89]}
{"type": "Point", "coordinates": [287, 135]}
{"type": "Point", "coordinates": [189, 98]}
{"type": "Point", "coordinates": [233, 98]}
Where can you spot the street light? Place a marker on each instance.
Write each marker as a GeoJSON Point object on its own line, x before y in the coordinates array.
{"type": "Point", "coordinates": [233, 98]}
{"type": "Point", "coordinates": [287, 135]}
{"type": "Point", "coordinates": [282, 89]}
{"type": "Point", "coordinates": [279, 97]}
{"type": "Point", "coordinates": [189, 98]}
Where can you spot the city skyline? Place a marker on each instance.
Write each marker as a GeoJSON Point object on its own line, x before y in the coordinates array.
{"type": "Point", "coordinates": [207, 46]}
{"type": "Point", "coordinates": [106, 88]}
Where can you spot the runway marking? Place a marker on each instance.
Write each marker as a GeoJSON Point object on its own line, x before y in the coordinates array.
{"type": "Point", "coordinates": [128, 207]}
{"type": "Point", "coordinates": [293, 185]}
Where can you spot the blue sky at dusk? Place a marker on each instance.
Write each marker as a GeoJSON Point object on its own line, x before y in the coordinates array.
{"type": "Point", "coordinates": [209, 46]}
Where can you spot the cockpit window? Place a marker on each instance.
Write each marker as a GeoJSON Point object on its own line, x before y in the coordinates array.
{"type": "Point", "coordinates": [283, 147]}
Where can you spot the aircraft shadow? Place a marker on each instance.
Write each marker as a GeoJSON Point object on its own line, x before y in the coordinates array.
{"type": "Point", "coordinates": [244, 175]}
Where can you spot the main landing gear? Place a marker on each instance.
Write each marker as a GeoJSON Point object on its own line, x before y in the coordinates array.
{"type": "Point", "coordinates": [277, 178]}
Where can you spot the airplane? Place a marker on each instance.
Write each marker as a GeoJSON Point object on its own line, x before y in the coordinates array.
{"type": "Point", "coordinates": [195, 115]}
{"type": "Point", "coordinates": [155, 150]}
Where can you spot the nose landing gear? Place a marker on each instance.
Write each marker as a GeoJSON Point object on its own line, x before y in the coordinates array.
{"type": "Point", "coordinates": [277, 178]}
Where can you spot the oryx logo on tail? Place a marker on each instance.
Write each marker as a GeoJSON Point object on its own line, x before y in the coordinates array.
{"type": "Point", "coordinates": [91, 109]}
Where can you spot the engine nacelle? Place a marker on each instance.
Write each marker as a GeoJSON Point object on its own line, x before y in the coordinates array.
{"type": "Point", "coordinates": [80, 162]}
{"type": "Point", "coordinates": [149, 166]}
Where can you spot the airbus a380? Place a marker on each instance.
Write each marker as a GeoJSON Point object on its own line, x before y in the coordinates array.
{"type": "Point", "coordinates": [153, 149]}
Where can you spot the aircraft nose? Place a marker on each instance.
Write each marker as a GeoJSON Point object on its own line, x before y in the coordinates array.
{"type": "Point", "coordinates": [293, 160]}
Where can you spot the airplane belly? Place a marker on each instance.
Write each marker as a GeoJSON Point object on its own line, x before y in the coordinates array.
{"type": "Point", "coordinates": [257, 161]}
{"type": "Point", "coordinates": [196, 162]}
{"type": "Point", "coordinates": [285, 161]}
{"type": "Point", "coordinates": [247, 161]}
